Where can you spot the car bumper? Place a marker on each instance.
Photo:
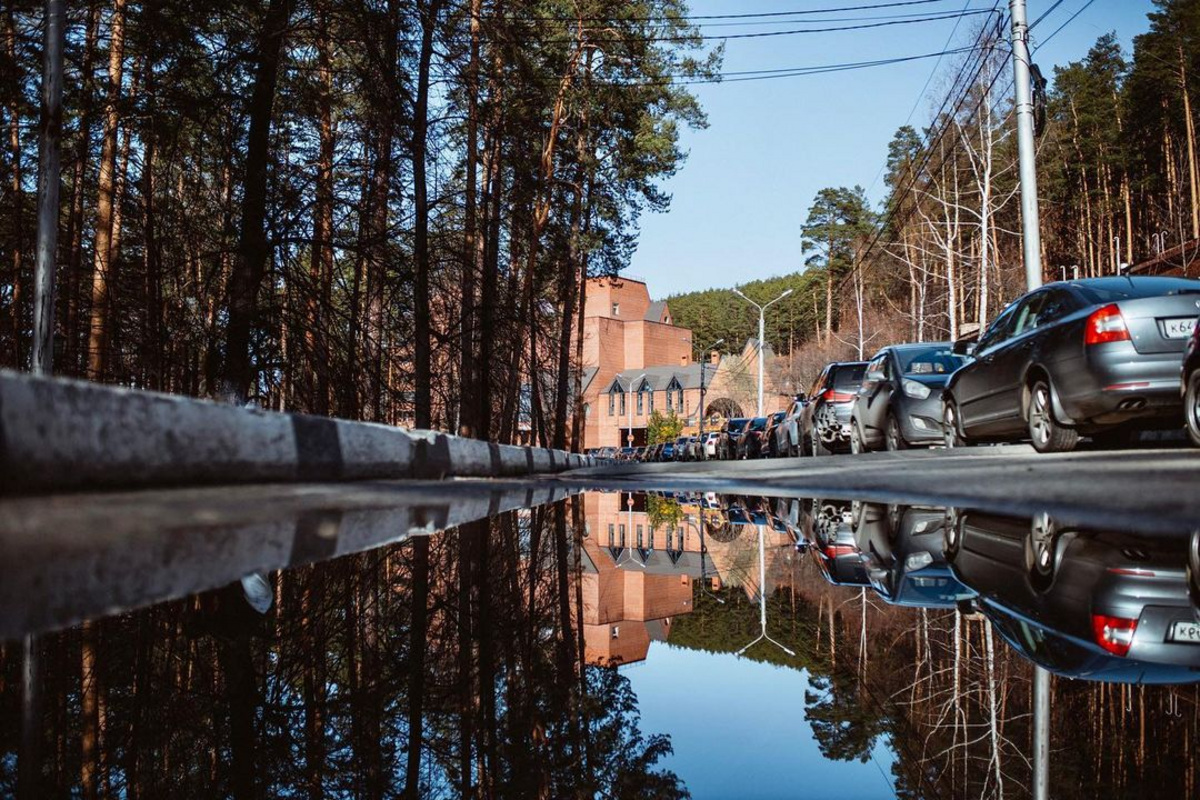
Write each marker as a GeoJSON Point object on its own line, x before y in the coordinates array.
{"type": "Point", "coordinates": [1113, 383]}
{"type": "Point", "coordinates": [921, 420]}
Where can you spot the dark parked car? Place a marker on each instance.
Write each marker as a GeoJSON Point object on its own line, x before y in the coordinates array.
{"type": "Point", "coordinates": [825, 421]}
{"type": "Point", "coordinates": [1105, 593]}
{"type": "Point", "coordinates": [666, 451]}
{"type": "Point", "coordinates": [1097, 357]}
{"type": "Point", "coordinates": [753, 442]}
{"type": "Point", "coordinates": [785, 439]}
{"type": "Point", "coordinates": [1191, 386]}
{"type": "Point", "coordinates": [771, 436]}
{"type": "Point", "coordinates": [683, 449]}
{"type": "Point", "coordinates": [899, 403]}
{"type": "Point", "coordinates": [731, 434]}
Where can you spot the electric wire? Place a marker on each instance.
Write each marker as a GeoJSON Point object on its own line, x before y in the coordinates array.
{"type": "Point", "coordinates": [746, 15]}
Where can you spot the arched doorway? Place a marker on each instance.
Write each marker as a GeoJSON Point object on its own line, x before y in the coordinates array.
{"type": "Point", "coordinates": [723, 407]}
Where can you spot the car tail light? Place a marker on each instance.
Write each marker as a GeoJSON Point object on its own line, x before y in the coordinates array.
{"type": "Point", "coordinates": [1114, 634]}
{"type": "Point", "coordinates": [832, 396]}
{"type": "Point", "coordinates": [1106, 325]}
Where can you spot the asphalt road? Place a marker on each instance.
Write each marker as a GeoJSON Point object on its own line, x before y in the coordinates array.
{"type": "Point", "coordinates": [1156, 490]}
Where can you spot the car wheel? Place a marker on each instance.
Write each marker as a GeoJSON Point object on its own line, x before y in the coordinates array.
{"type": "Point", "coordinates": [1047, 434]}
{"type": "Point", "coordinates": [892, 435]}
{"type": "Point", "coordinates": [856, 442]}
{"type": "Point", "coordinates": [1191, 407]}
{"type": "Point", "coordinates": [951, 534]}
{"type": "Point", "coordinates": [1040, 547]}
{"type": "Point", "coordinates": [1193, 569]}
{"type": "Point", "coordinates": [951, 432]}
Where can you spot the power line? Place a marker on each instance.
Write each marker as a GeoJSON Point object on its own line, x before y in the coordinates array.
{"type": "Point", "coordinates": [749, 15]}
{"type": "Point", "coordinates": [1058, 30]}
{"type": "Point", "coordinates": [1046, 13]}
{"type": "Point", "coordinates": [771, 34]}
{"type": "Point", "coordinates": [792, 72]}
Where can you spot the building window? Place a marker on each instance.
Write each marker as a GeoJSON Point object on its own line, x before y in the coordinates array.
{"type": "Point", "coordinates": [679, 402]}
{"type": "Point", "coordinates": [652, 538]}
{"type": "Point", "coordinates": [612, 534]}
{"type": "Point", "coordinates": [641, 403]}
{"type": "Point", "coordinates": [622, 404]}
{"type": "Point", "coordinates": [670, 405]}
{"type": "Point", "coordinates": [587, 410]}
{"type": "Point", "coordinates": [641, 537]}
{"type": "Point", "coordinates": [616, 309]}
{"type": "Point", "coordinates": [612, 404]}
{"type": "Point", "coordinates": [621, 531]}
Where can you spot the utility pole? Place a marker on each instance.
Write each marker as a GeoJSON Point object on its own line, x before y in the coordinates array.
{"type": "Point", "coordinates": [1031, 237]}
{"type": "Point", "coordinates": [703, 366]}
{"type": "Point", "coordinates": [1031, 240]}
{"type": "Point", "coordinates": [761, 332]}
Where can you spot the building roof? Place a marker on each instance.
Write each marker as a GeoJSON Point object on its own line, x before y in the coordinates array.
{"type": "Point", "coordinates": [589, 375]}
{"type": "Point", "coordinates": [659, 378]}
{"type": "Point", "coordinates": [655, 312]}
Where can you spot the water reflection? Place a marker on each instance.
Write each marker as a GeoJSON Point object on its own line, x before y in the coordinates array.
{"type": "Point", "coordinates": [539, 653]}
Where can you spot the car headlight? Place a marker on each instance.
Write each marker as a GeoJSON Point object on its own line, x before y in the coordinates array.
{"type": "Point", "coordinates": [915, 389]}
{"type": "Point", "coordinates": [917, 561]}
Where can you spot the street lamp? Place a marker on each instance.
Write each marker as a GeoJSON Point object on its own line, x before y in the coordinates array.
{"type": "Point", "coordinates": [762, 599]}
{"type": "Point", "coordinates": [761, 311]}
{"type": "Point", "coordinates": [703, 365]}
{"type": "Point", "coordinates": [629, 439]}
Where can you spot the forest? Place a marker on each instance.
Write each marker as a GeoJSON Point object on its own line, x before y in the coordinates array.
{"type": "Point", "coordinates": [940, 256]}
{"type": "Point", "coordinates": [380, 210]}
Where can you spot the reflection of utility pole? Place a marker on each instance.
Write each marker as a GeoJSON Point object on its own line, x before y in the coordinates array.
{"type": "Point", "coordinates": [703, 552]}
{"type": "Point", "coordinates": [762, 597]}
{"type": "Point", "coordinates": [629, 441]}
{"type": "Point", "coordinates": [1041, 734]}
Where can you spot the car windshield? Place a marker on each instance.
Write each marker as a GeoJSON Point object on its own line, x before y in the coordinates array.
{"type": "Point", "coordinates": [758, 423]}
{"type": "Point", "coordinates": [848, 376]}
{"type": "Point", "coordinates": [929, 361]}
{"type": "Point", "coordinates": [736, 425]}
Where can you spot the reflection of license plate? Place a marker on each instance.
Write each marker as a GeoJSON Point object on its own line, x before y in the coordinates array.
{"type": "Point", "coordinates": [1185, 632]}
{"type": "Point", "coordinates": [1180, 328]}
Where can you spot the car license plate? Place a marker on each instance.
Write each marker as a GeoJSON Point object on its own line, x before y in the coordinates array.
{"type": "Point", "coordinates": [1185, 632]}
{"type": "Point", "coordinates": [1179, 328]}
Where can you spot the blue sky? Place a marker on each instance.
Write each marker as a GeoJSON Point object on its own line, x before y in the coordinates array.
{"type": "Point", "coordinates": [740, 199]}
{"type": "Point", "coordinates": [739, 731]}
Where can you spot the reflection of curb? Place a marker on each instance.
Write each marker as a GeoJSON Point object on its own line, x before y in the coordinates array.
{"type": "Point", "coordinates": [60, 434]}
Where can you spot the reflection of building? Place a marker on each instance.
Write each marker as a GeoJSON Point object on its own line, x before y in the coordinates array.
{"type": "Point", "coordinates": [636, 577]}
{"type": "Point", "coordinates": [637, 361]}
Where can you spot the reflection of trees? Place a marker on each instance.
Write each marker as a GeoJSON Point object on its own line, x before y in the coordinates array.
{"type": "Point", "coordinates": [204, 697]}
{"type": "Point", "coordinates": [845, 723]}
{"type": "Point", "coordinates": [725, 532]}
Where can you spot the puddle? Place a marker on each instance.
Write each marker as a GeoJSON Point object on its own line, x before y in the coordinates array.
{"type": "Point", "coordinates": [506, 640]}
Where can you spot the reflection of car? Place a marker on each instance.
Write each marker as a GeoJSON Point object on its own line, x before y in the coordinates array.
{"type": "Point", "coordinates": [828, 528]}
{"type": "Point", "coordinates": [1097, 357]}
{"type": "Point", "coordinates": [899, 403]}
{"type": "Point", "coordinates": [901, 548]}
{"type": "Point", "coordinates": [1110, 593]}
{"type": "Point", "coordinates": [825, 421]}
{"type": "Point", "coordinates": [1191, 386]}
{"type": "Point", "coordinates": [752, 443]}
{"type": "Point", "coordinates": [731, 434]}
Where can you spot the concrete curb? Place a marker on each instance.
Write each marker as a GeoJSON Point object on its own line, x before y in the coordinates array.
{"type": "Point", "coordinates": [58, 434]}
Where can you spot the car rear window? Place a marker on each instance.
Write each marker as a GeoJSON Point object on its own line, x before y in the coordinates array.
{"type": "Point", "coordinates": [929, 361]}
{"type": "Point", "coordinates": [1114, 290]}
{"type": "Point", "coordinates": [736, 425]}
{"type": "Point", "coordinates": [848, 376]}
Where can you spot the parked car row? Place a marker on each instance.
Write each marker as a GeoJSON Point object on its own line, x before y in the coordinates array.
{"type": "Point", "coordinates": [1106, 605]}
{"type": "Point", "coordinates": [1105, 358]}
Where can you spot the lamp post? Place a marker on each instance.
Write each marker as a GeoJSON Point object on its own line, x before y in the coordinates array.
{"type": "Point", "coordinates": [761, 316]}
{"type": "Point", "coordinates": [762, 599]}
{"type": "Point", "coordinates": [704, 365]}
{"type": "Point", "coordinates": [629, 435]}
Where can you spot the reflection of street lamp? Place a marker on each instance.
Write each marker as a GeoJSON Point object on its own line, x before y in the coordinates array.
{"type": "Point", "coordinates": [629, 440]}
{"type": "Point", "coordinates": [762, 598]}
{"type": "Point", "coordinates": [761, 311]}
{"type": "Point", "coordinates": [703, 365]}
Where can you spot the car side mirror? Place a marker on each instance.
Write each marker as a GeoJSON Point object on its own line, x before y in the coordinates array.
{"type": "Point", "coordinates": [875, 377]}
{"type": "Point", "coordinates": [964, 347]}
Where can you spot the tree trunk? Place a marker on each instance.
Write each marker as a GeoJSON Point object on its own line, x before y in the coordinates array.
{"type": "Point", "coordinates": [467, 378]}
{"type": "Point", "coordinates": [16, 212]}
{"type": "Point", "coordinates": [102, 263]}
{"type": "Point", "coordinates": [238, 374]}
{"type": "Point", "coordinates": [321, 262]}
